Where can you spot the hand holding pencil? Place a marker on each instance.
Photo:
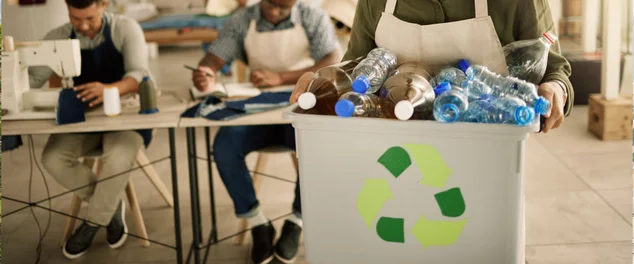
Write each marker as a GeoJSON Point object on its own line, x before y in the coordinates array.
{"type": "Point", "coordinates": [203, 77]}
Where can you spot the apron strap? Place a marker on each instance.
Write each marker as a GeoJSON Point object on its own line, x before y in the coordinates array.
{"type": "Point", "coordinates": [481, 8]}
{"type": "Point", "coordinates": [390, 6]}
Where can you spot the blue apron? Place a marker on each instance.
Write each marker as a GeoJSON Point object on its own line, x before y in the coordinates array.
{"type": "Point", "coordinates": [105, 64]}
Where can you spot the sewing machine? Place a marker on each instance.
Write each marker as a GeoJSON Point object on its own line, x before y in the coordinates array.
{"type": "Point", "coordinates": [20, 101]}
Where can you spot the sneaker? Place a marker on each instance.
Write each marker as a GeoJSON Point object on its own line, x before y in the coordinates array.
{"type": "Point", "coordinates": [263, 236]}
{"type": "Point", "coordinates": [288, 244]}
{"type": "Point", "coordinates": [78, 244]}
{"type": "Point", "coordinates": [117, 229]}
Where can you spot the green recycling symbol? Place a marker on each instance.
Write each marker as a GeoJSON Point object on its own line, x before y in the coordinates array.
{"type": "Point", "coordinates": [376, 192]}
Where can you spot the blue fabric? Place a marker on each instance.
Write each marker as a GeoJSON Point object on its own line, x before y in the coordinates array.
{"type": "Point", "coordinates": [234, 109]}
{"type": "Point", "coordinates": [11, 142]}
{"type": "Point", "coordinates": [233, 144]}
{"type": "Point", "coordinates": [104, 64]}
{"type": "Point", "coordinates": [184, 21]}
{"type": "Point", "coordinates": [70, 108]}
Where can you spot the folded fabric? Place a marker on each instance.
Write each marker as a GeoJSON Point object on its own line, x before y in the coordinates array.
{"type": "Point", "coordinates": [70, 109]}
{"type": "Point", "coordinates": [213, 108]}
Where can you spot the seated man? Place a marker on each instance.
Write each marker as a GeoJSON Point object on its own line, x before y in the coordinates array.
{"type": "Point", "coordinates": [279, 40]}
{"type": "Point", "coordinates": [113, 53]}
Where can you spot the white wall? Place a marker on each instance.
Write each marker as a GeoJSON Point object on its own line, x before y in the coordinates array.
{"type": "Point", "coordinates": [33, 22]}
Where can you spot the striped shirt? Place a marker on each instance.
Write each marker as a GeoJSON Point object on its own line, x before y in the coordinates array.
{"type": "Point", "coordinates": [316, 22]}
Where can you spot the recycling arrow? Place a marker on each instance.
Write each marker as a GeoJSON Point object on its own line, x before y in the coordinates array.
{"type": "Point", "coordinates": [431, 165]}
{"type": "Point", "coordinates": [374, 195]}
{"type": "Point", "coordinates": [437, 233]}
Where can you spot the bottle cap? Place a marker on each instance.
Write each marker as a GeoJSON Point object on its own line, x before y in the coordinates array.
{"type": "Point", "coordinates": [404, 110]}
{"type": "Point", "coordinates": [550, 37]}
{"type": "Point", "coordinates": [307, 101]}
{"type": "Point", "coordinates": [449, 113]}
{"type": "Point", "coordinates": [146, 78]}
{"type": "Point", "coordinates": [464, 65]}
{"type": "Point", "coordinates": [344, 108]}
{"type": "Point", "coordinates": [524, 115]}
{"type": "Point", "coordinates": [361, 84]}
{"type": "Point", "coordinates": [442, 88]}
{"type": "Point", "coordinates": [542, 106]}
{"type": "Point", "coordinates": [149, 111]}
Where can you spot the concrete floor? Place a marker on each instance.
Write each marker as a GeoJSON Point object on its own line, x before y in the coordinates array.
{"type": "Point", "coordinates": [579, 196]}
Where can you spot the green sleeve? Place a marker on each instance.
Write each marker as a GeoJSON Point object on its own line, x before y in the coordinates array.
{"type": "Point", "coordinates": [533, 19]}
{"type": "Point", "coordinates": [362, 34]}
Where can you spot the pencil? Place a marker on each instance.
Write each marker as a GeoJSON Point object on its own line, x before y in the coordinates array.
{"type": "Point", "coordinates": [194, 69]}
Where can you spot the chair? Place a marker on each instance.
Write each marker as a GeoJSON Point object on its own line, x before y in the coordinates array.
{"type": "Point", "coordinates": [263, 156]}
{"type": "Point", "coordinates": [93, 160]}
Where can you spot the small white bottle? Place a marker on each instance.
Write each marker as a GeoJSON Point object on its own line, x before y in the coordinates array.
{"type": "Point", "coordinates": [111, 101]}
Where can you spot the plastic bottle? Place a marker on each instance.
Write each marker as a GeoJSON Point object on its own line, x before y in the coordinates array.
{"type": "Point", "coordinates": [508, 110]}
{"type": "Point", "coordinates": [358, 105]}
{"type": "Point", "coordinates": [384, 55]}
{"type": "Point", "coordinates": [478, 108]}
{"type": "Point", "coordinates": [507, 86]}
{"type": "Point", "coordinates": [450, 103]}
{"type": "Point", "coordinates": [452, 75]}
{"type": "Point", "coordinates": [414, 67]}
{"type": "Point", "coordinates": [369, 75]}
{"type": "Point", "coordinates": [528, 59]}
{"type": "Point", "coordinates": [476, 89]}
{"type": "Point", "coordinates": [327, 85]}
{"type": "Point", "coordinates": [407, 96]}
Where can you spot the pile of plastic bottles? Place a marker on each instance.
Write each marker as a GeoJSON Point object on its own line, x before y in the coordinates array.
{"type": "Point", "coordinates": [377, 86]}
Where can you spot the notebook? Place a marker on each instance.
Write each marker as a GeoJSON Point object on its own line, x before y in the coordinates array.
{"type": "Point", "coordinates": [232, 90]}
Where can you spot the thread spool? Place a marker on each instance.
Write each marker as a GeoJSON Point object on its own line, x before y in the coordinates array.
{"type": "Point", "coordinates": [8, 44]}
{"type": "Point", "coordinates": [111, 101]}
{"type": "Point", "coordinates": [147, 96]}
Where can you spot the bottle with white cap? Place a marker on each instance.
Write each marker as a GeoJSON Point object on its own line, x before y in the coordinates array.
{"type": "Point", "coordinates": [327, 85]}
{"type": "Point", "coordinates": [352, 104]}
{"type": "Point", "coordinates": [450, 104]}
{"type": "Point", "coordinates": [407, 96]}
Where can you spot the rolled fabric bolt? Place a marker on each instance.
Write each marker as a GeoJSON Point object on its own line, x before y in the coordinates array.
{"type": "Point", "coordinates": [111, 101]}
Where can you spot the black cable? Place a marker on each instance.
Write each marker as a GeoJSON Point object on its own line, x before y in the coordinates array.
{"type": "Point", "coordinates": [48, 193]}
{"type": "Point", "coordinates": [37, 222]}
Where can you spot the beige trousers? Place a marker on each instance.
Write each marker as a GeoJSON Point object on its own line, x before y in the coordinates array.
{"type": "Point", "coordinates": [61, 159]}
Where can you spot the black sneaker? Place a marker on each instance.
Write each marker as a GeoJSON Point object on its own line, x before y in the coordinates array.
{"type": "Point", "coordinates": [117, 229]}
{"type": "Point", "coordinates": [263, 236]}
{"type": "Point", "coordinates": [288, 244]}
{"type": "Point", "coordinates": [78, 244]}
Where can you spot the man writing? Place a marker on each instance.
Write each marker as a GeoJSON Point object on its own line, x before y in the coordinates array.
{"type": "Point", "coordinates": [279, 40]}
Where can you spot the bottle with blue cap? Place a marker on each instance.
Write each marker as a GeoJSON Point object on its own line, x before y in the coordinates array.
{"type": "Point", "coordinates": [385, 55]}
{"type": "Point", "coordinates": [507, 110]}
{"type": "Point", "coordinates": [476, 89]}
{"type": "Point", "coordinates": [450, 103]}
{"type": "Point", "coordinates": [354, 104]}
{"type": "Point", "coordinates": [327, 85]}
{"type": "Point", "coordinates": [407, 96]}
{"type": "Point", "coordinates": [507, 86]}
{"type": "Point", "coordinates": [147, 96]}
{"type": "Point", "coordinates": [452, 75]}
{"type": "Point", "coordinates": [369, 75]}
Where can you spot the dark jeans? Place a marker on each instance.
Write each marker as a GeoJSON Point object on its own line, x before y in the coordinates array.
{"type": "Point", "coordinates": [231, 146]}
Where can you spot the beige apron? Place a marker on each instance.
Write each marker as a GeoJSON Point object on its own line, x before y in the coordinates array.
{"type": "Point", "coordinates": [440, 45]}
{"type": "Point", "coordinates": [278, 51]}
{"type": "Point", "coordinates": [444, 44]}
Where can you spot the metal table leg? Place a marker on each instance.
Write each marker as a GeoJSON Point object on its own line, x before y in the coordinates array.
{"type": "Point", "coordinates": [212, 197]}
{"type": "Point", "coordinates": [193, 182]}
{"type": "Point", "coordinates": [177, 218]}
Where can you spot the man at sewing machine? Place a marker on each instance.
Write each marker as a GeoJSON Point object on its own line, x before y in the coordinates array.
{"type": "Point", "coordinates": [113, 53]}
{"type": "Point", "coordinates": [279, 40]}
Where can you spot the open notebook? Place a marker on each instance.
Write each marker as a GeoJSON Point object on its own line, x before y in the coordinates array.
{"type": "Point", "coordinates": [232, 90]}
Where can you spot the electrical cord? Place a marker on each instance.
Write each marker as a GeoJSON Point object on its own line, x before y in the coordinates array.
{"type": "Point", "coordinates": [42, 234]}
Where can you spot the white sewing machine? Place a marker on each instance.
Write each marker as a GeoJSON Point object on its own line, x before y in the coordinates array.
{"type": "Point", "coordinates": [22, 102]}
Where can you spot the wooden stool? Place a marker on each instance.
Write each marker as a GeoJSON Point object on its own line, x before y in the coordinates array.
{"type": "Point", "coordinates": [93, 160]}
{"type": "Point", "coordinates": [263, 156]}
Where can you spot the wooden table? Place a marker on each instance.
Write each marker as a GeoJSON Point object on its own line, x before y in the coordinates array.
{"type": "Point", "coordinates": [171, 105]}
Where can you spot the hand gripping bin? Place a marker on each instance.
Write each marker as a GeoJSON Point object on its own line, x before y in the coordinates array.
{"type": "Point", "coordinates": [389, 191]}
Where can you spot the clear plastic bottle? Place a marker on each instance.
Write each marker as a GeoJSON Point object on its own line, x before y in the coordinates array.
{"type": "Point", "coordinates": [452, 75]}
{"type": "Point", "coordinates": [353, 104]}
{"type": "Point", "coordinates": [327, 85]}
{"type": "Point", "coordinates": [369, 75]}
{"type": "Point", "coordinates": [414, 67]}
{"type": "Point", "coordinates": [507, 86]}
{"type": "Point", "coordinates": [476, 89]}
{"type": "Point", "coordinates": [384, 55]}
{"type": "Point", "coordinates": [450, 103]}
{"type": "Point", "coordinates": [528, 59]}
{"type": "Point", "coordinates": [407, 96]}
{"type": "Point", "coordinates": [477, 109]}
{"type": "Point", "coordinates": [508, 110]}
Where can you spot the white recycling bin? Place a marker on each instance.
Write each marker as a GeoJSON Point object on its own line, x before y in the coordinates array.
{"type": "Point", "coordinates": [389, 191]}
